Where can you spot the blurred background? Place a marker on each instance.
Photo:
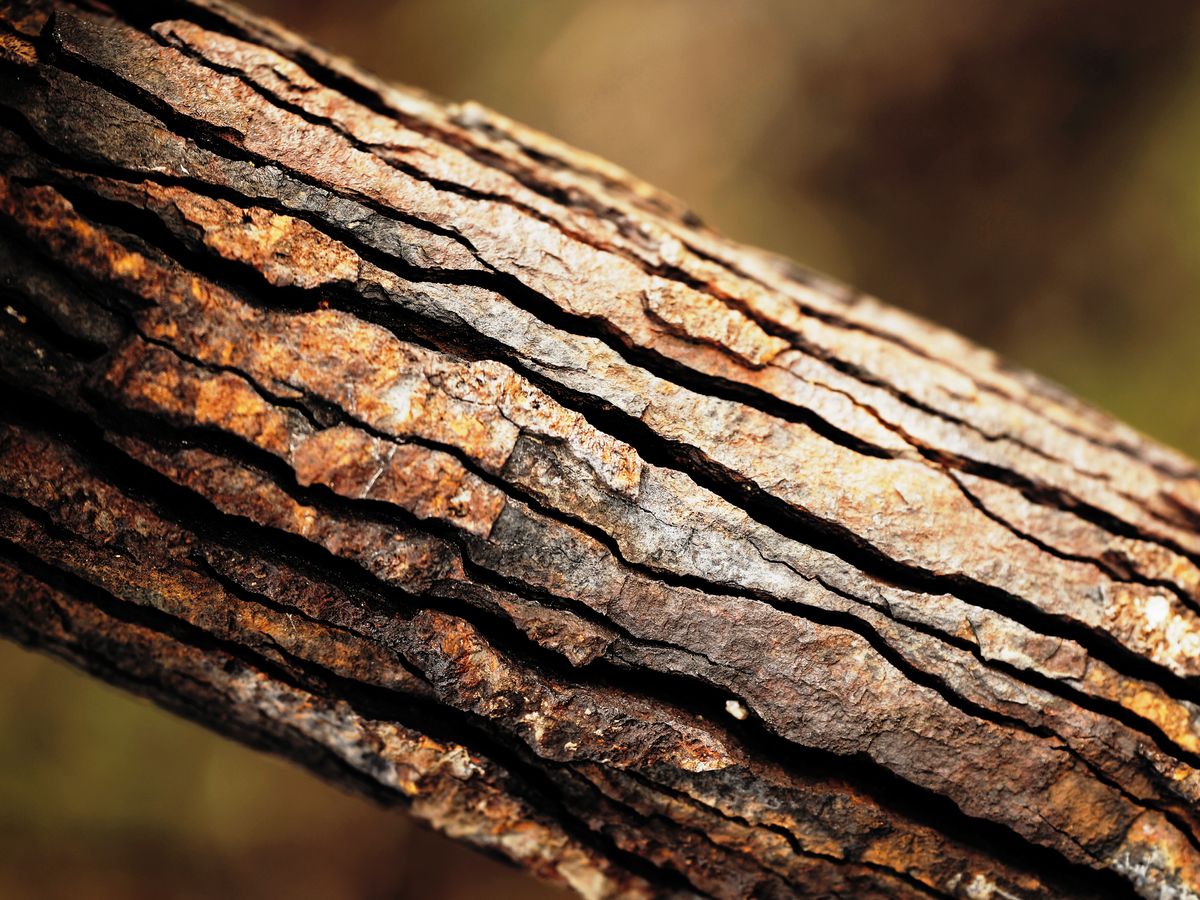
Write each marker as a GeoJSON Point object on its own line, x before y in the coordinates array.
{"type": "Point", "coordinates": [1025, 172]}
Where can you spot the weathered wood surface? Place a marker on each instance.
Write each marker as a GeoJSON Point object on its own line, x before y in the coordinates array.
{"type": "Point", "coordinates": [471, 472]}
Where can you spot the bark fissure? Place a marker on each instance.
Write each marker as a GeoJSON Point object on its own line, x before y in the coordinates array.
{"type": "Point", "coordinates": [361, 92]}
{"type": "Point", "coordinates": [811, 612]}
{"type": "Point", "coordinates": [731, 486]}
{"type": "Point", "coordinates": [1036, 492]}
{"type": "Point", "coordinates": [917, 801]}
{"type": "Point", "coordinates": [668, 271]}
{"type": "Point", "coordinates": [528, 780]}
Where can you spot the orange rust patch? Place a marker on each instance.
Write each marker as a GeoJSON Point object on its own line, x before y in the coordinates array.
{"type": "Point", "coordinates": [287, 251]}
{"type": "Point", "coordinates": [428, 483]}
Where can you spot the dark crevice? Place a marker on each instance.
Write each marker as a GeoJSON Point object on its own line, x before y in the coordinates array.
{"type": "Point", "coordinates": [369, 98]}
{"type": "Point", "coordinates": [1058, 689]}
{"type": "Point", "coordinates": [30, 316]}
{"type": "Point", "coordinates": [1035, 493]}
{"type": "Point", "coordinates": [952, 463]}
{"type": "Point", "coordinates": [1038, 494]}
{"type": "Point", "coordinates": [524, 776]}
{"type": "Point", "coordinates": [1057, 499]}
{"type": "Point", "coordinates": [763, 507]}
{"type": "Point", "coordinates": [1168, 809]}
{"type": "Point", "coordinates": [787, 606]}
{"type": "Point", "coordinates": [767, 879]}
{"type": "Point", "coordinates": [175, 502]}
{"type": "Point", "coordinates": [1179, 516]}
{"type": "Point", "coordinates": [247, 454]}
{"type": "Point", "coordinates": [46, 522]}
{"type": "Point", "coordinates": [1118, 573]}
{"type": "Point", "coordinates": [333, 415]}
{"type": "Point", "coordinates": [1056, 396]}
{"type": "Point", "coordinates": [786, 834]}
{"type": "Point", "coordinates": [857, 373]}
{"type": "Point", "coordinates": [1188, 515]}
{"type": "Point", "coordinates": [1045, 495]}
{"type": "Point", "coordinates": [259, 598]}
{"type": "Point", "coordinates": [503, 283]}
{"type": "Point", "coordinates": [317, 419]}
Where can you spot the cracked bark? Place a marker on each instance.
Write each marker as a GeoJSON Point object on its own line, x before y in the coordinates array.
{"type": "Point", "coordinates": [475, 474]}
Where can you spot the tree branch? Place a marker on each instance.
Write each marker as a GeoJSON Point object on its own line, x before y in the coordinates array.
{"type": "Point", "coordinates": [473, 473]}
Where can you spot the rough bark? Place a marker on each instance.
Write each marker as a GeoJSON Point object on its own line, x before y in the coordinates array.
{"type": "Point", "coordinates": [471, 472]}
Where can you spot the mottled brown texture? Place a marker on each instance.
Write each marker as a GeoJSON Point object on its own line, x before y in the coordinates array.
{"type": "Point", "coordinates": [476, 474]}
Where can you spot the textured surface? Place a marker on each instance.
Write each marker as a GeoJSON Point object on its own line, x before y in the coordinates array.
{"type": "Point", "coordinates": [474, 473]}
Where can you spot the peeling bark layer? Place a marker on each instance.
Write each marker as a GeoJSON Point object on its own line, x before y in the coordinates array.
{"type": "Point", "coordinates": [477, 475]}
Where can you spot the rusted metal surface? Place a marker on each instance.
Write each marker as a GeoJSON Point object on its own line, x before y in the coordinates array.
{"type": "Point", "coordinates": [474, 473]}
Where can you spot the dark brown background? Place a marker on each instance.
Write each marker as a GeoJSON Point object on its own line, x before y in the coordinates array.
{"type": "Point", "coordinates": [1024, 172]}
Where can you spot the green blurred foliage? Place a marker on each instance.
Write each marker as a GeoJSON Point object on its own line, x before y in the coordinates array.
{"type": "Point", "coordinates": [1021, 171]}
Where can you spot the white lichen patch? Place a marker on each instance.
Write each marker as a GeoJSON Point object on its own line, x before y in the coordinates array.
{"type": "Point", "coordinates": [586, 880]}
{"type": "Point", "coordinates": [736, 709]}
{"type": "Point", "coordinates": [458, 762]}
{"type": "Point", "coordinates": [1158, 608]}
{"type": "Point", "coordinates": [399, 400]}
{"type": "Point", "coordinates": [981, 888]}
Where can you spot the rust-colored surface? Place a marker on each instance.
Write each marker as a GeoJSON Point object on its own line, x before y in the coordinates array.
{"type": "Point", "coordinates": [470, 471]}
